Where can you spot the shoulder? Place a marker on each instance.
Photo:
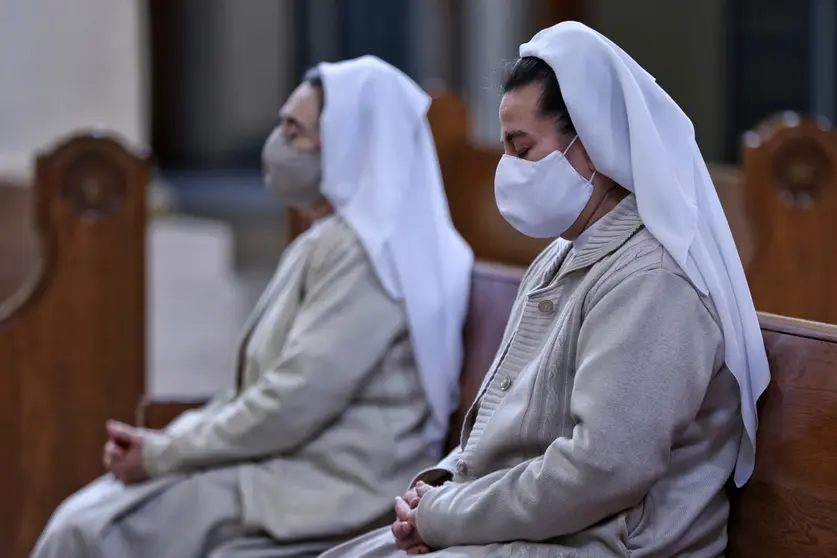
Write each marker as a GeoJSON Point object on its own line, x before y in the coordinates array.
{"type": "Point", "coordinates": [643, 262]}
{"type": "Point", "coordinates": [333, 242]}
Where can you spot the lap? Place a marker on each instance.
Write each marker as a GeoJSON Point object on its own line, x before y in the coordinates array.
{"type": "Point", "coordinates": [381, 544]}
{"type": "Point", "coordinates": [175, 516]}
{"type": "Point", "coordinates": [265, 547]}
{"type": "Point", "coordinates": [180, 516]}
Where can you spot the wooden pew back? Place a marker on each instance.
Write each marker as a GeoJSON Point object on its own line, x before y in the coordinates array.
{"type": "Point", "coordinates": [789, 507]}
{"type": "Point", "coordinates": [493, 290]}
{"type": "Point", "coordinates": [72, 343]}
{"type": "Point", "coordinates": [790, 170]}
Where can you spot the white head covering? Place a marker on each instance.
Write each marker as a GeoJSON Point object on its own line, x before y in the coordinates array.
{"type": "Point", "coordinates": [637, 135]}
{"type": "Point", "coordinates": [381, 173]}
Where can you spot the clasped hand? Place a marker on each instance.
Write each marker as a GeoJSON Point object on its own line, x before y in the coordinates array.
{"type": "Point", "coordinates": [404, 529]}
{"type": "Point", "coordinates": [123, 452]}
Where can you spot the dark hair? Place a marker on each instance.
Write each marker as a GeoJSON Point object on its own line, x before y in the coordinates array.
{"type": "Point", "coordinates": [530, 70]}
{"type": "Point", "coordinates": [313, 78]}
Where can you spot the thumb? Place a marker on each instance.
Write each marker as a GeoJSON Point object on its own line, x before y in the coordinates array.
{"type": "Point", "coordinates": [121, 433]}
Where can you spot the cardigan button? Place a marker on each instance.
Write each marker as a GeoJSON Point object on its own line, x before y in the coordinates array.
{"type": "Point", "coordinates": [461, 468]}
{"type": "Point", "coordinates": [546, 306]}
{"type": "Point", "coordinates": [505, 384]}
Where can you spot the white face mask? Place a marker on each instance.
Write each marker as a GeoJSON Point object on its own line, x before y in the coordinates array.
{"type": "Point", "coordinates": [541, 199]}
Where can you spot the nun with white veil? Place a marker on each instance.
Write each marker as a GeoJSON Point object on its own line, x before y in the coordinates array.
{"type": "Point", "coordinates": [623, 397]}
{"type": "Point", "coordinates": [348, 368]}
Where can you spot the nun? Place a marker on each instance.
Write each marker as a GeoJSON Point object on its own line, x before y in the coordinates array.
{"type": "Point", "coordinates": [623, 397]}
{"type": "Point", "coordinates": [348, 367]}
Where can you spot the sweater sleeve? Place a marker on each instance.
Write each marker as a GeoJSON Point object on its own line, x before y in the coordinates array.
{"type": "Point", "coordinates": [647, 351]}
{"type": "Point", "coordinates": [441, 473]}
{"type": "Point", "coordinates": [345, 325]}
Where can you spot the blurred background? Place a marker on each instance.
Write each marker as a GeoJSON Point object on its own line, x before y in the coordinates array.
{"type": "Point", "coordinates": [201, 81]}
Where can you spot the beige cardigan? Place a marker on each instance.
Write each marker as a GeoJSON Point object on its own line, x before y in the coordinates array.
{"type": "Point", "coordinates": [608, 424]}
{"type": "Point", "coordinates": [327, 422]}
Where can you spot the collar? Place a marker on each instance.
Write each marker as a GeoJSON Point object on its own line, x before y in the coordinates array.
{"type": "Point", "coordinates": [579, 242]}
{"type": "Point", "coordinates": [609, 233]}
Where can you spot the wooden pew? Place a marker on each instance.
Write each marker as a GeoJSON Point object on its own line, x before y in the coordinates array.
{"type": "Point", "coordinates": [72, 337]}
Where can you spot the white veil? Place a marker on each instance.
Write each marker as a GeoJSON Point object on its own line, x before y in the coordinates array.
{"type": "Point", "coordinates": [381, 173]}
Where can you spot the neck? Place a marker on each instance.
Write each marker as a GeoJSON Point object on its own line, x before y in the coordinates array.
{"type": "Point", "coordinates": [612, 197]}
{"type": "Point", "coordinates": [322, 209]}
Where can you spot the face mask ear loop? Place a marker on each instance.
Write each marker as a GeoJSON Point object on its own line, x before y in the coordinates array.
{"type": "Point", "coordinates": [567, 150]}
{"type": "Point", "coordinates": [598, 205]}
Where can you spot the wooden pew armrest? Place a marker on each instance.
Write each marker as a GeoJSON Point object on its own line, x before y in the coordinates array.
{"type": "Point", "coordinates": [157, 413]}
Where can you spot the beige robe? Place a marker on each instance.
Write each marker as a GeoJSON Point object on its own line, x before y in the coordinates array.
{"type": "Point", "coordinates": [608, 424]}
{"type": "Point", "coordinates": [325, 427]}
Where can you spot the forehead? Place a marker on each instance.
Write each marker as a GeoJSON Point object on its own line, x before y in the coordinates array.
{"type": "Point", "coordinates": [520, 105]}
{"type": "Point", "coordinates": [304, 103]}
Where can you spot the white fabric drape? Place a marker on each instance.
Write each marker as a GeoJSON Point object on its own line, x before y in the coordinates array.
{"type": "Point", "coordinates": [637, 135]}
{"type": "Point", "coordinates": [381, 173]}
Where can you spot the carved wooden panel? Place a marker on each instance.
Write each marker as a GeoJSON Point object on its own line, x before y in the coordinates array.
{"type": "Point", "coordinates": [72, 352]}
{"type": "Point", "coordinates": [791, 200]}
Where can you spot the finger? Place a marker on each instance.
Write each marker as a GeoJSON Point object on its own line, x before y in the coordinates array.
{"type": "Point", "coordinates": [422, 489]}
{"type": "Point", "coordinates": [403, 510]}
{"type": "Point", "coordinates": [402, 529]}
{"type": "Point", "coordinates": [409, 542]}
{"type": "Point", "coordinates": [121, 433]}
{"type": "Point", "coordinates": [418, 549]}
{"type": "Point", "coordinates": [113, 450]}
{"type": "Point", "coordinates": [111, 454]}
{"type": "Point", "coordinates": [410, 495]}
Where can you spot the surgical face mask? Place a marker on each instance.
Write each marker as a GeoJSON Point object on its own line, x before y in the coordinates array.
{"type": "Point", "coordinates": [541, 199]}
{"type": "Point", "coordinates": [292, 175]}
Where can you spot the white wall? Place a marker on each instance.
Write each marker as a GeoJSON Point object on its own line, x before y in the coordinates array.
{"type": "Point", "coordinates": [67, 64]}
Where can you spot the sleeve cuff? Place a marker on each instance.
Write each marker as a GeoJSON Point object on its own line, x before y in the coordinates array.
{"type": "Point", "coordinates": [156, 454]}
{"type": "Point", "coordinates": [435, 476]}
{"type": "Point", "coordinates": [433, 527]}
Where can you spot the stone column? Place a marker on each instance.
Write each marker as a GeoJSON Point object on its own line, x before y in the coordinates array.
{"type": "Point", "coordinates": [431, 42]}
{"type": "Point", "coordinates": [494, 29]}
{"type": "Point", "coordinates": [256, 68]}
